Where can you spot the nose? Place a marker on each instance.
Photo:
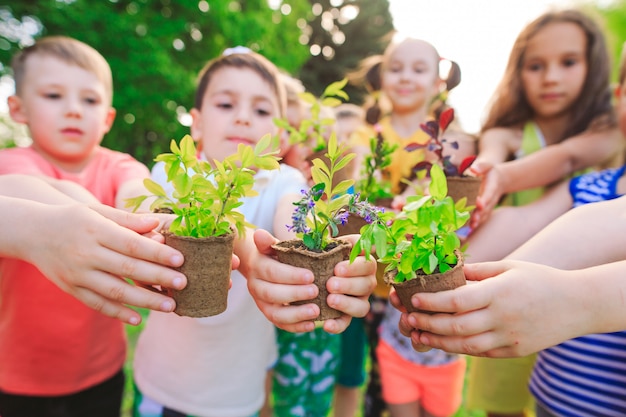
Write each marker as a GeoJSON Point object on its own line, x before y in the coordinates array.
{"type": "Point", "coordinates": [552, 73]}
{"type": "Point", "coordinates": [73, 106]}
{"type": "Point", "coordinates": [243, 115]}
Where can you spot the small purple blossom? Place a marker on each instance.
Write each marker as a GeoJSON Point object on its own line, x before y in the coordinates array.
{"type": "Point", "coordinates": [342, 218]}
{"type": "Point", "coordinates": [364, 209]}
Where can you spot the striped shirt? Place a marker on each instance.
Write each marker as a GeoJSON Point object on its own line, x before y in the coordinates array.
{"type": "Point", "coordinates": [585, 376]}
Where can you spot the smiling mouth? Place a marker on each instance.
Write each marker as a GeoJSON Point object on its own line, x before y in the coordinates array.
{"type": "Point", "coordinates": [241, 140]}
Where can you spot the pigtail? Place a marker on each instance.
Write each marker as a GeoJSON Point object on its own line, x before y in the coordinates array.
{"type": "Point", "coordinates": [452, 79]}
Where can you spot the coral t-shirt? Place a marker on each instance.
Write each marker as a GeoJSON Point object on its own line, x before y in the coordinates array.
{"type": "Point", "coordinates": [51, 343]}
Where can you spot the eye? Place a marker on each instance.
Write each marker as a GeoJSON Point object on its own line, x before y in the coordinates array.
{"type": "Point", "coordinates": [224, 105]}
{"type": "Point", "coordinates": [570, 62]}
{"type": "Point", "coordinates": [263, 112]}
{"type": "Point", "coordinates": [534, 67]}
{"type": "Point", "coordinates": [52, 96]}
{"type": "Point", "coordinates": [91, 100]}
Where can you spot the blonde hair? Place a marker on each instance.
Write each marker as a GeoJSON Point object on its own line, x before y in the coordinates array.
{"type": "Point", "coordinates": [69, 50]}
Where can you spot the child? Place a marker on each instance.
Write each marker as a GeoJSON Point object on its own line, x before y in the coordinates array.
{"type": "Point", "coordinates": [582, 376]}
{"type": "Point", "coordinates": [554, 101]}
{"type": "Point", "coordinates": [56, 351]}
{"type": "Point", "coordinates": [223, 360]}
{"type": "Point", "coordinates": [407, 78]}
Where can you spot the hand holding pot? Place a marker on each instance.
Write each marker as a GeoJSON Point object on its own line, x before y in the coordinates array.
{"type": "Point", "coordinates": [274, 285]}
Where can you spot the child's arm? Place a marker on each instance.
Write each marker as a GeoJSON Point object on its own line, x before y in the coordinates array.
{"type": "Point", "coordinates": [508, 227]}
{"type": "Point", "coordinates": [274, 285]}
{"type": "Point", "coordinates": [84, 249]}
{"type": "Point", "coordinates": [499, 317]}
{"type": "Point", "coordinates": [546, 166]}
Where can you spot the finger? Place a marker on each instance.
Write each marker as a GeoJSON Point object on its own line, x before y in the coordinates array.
{"type": "Point", "coordinates": [417, 345]}
{"type": "Point", "coordinates": [468, 324]}
{"type": "Point", "coordinates": [264, 241]}
{"type": "Point", "coordinates": [338, 325]}
{"type": "Point", "coordinates": [293, 318]}
{"type": "Point", "coordinates": [395, 300]}
{"type": "Point", "coordinates": [118, 290]}
{"type": "Point", "coordinates": [235, 262]}
{"type": "Point", "coordinates": [131, 244]}
{"type": "Point", "coordinates": [459, 300]}
{"type": "Point", "coordinates": [107, 307]}
{"type": "Point", "coordinates": [273, 293]}
{"type": "Point", "coordinates": [148, 273]}
{"type": "Point", "coordinates": [140, 223]}
{"type": "Point", "coordinates": [483, 270]}
{"type": "Point", "coordinates": [360, 267]}
{"type": "Point", "coordinates": [404, 326]}
{"type": "Point", "coordinates": [477, 345]}
{"type": "Point", "coordinates": [352, 306]}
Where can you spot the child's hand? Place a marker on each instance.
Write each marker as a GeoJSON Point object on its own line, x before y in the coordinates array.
{"type": "Point", "coordinates": [274, 285]}
{"type": "Point", "coordinates": [490, 193]}
{"type": "Point", "coordinates": [498, 317]}
{"type": "Point", "coordinates": [105, 244]}
{"type": "Point", "coordinates": [349, 290]}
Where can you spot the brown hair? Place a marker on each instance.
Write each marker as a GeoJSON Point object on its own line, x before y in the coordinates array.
{"type": "Point", "coordinates": [68, 50]}
{"type": "Point", "coordinates": [250, 60]}
{"type": "Point", "coordinates": [509, 107]}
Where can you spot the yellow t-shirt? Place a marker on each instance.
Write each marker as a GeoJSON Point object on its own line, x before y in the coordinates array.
{"type": "Point", "coordinates": [402, 161]}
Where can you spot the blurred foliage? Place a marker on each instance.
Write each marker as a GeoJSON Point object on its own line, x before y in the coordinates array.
{"type": "Point", "coordinates": [157, 47]}
{"type": "Point", "coordinates": [614, 16]}
{"type": "Point", "coordinates": [340, 37]}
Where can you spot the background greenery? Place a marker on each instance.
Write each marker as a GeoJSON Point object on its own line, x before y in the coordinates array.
{"type": "Point", "coordinates": [157, 47]}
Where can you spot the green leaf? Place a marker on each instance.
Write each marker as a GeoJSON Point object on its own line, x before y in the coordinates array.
{"type": "Point", "coordinates": [438, 185]}
{"type": "Point", "coordinates": [154, 188]}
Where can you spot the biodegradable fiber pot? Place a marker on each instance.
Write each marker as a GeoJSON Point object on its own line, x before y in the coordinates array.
{"type": "Point", "coordinates": [207, 267]}
{"type": "Point", "coordinates": [322, 264]}
{"type": "Point", "coordinates": [449, 280]}
{"type": "Point", "coordinates": [459, 187]}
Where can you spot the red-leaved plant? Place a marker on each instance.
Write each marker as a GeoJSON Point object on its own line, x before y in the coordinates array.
{"type": "Point", "coordinates": [435, 129]}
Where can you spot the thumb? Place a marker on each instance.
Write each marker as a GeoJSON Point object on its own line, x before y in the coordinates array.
{"type": "Point", "coordinates": [484, 270]}
{"type": "Point", "coordinates": [140, 223]}
{"type": "Point", "coordinates": [480, 168]}
{"type": "Point", "coordinates": [264, 241]}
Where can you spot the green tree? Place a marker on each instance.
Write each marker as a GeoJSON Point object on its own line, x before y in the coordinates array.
{"type": "Point", "coordinates": [342, 33]}
{"type": "Point", "coordinates": [155, 49]}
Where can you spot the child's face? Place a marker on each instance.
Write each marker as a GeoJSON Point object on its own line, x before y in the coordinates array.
{"type": "Point", "coordinates": [554, 69]}
{"type": "Point", "coordinates": [238, 107]}
{"type": "Point", "coordinates": [67, 110]}
{"type": "Point", "coordinates": [410, 78]}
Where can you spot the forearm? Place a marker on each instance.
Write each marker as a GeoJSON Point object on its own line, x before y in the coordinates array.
{"type": "Point", "coordinates": [21, 226]}
{"type": "Point", "coordinates": [585, 236]}
{"type": "Point", "coordinates": [44, 190]}
{"type": "Point", "coordinates": [601, 296]}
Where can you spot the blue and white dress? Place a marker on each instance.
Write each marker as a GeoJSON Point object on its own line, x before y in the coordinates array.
{"type": "Point", "coordinates": [585, 376]}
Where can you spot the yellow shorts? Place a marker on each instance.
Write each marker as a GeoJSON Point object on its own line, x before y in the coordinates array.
{"type": "Point", "coordinates": [500, 385]}
{"type": "Point", "coordinates": [439, 389]}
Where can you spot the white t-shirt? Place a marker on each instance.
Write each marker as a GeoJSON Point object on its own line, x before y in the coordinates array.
{"type": "Point", "coordinates": [216, 366]}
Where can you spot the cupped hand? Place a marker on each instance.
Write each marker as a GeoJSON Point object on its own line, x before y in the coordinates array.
{"type": "Point", "coordinates": [105, 244]}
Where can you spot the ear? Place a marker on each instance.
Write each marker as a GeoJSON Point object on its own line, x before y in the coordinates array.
{"type": "Point", "coordinates": [16, 109]}
{"type": "Point", "coordinates": [196, 125]}
{"type": "Point", "coordinates": [110, 118]}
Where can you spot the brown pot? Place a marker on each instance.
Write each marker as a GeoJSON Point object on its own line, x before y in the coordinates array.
{"type": "Point", "coordinates": [322, 264]}
{"type": "Point", "coordinates": [449, 280]}
{"type": "Point", "coordinates": [207, 267]}
{"type": "Point", "coordinates": [459, 187]}
{"type": "Point", "coordinates": [353, 226]}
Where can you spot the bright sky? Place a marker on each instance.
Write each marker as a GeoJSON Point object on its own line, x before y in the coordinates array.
{"type": "Point", "coordinates": [477, 34]}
